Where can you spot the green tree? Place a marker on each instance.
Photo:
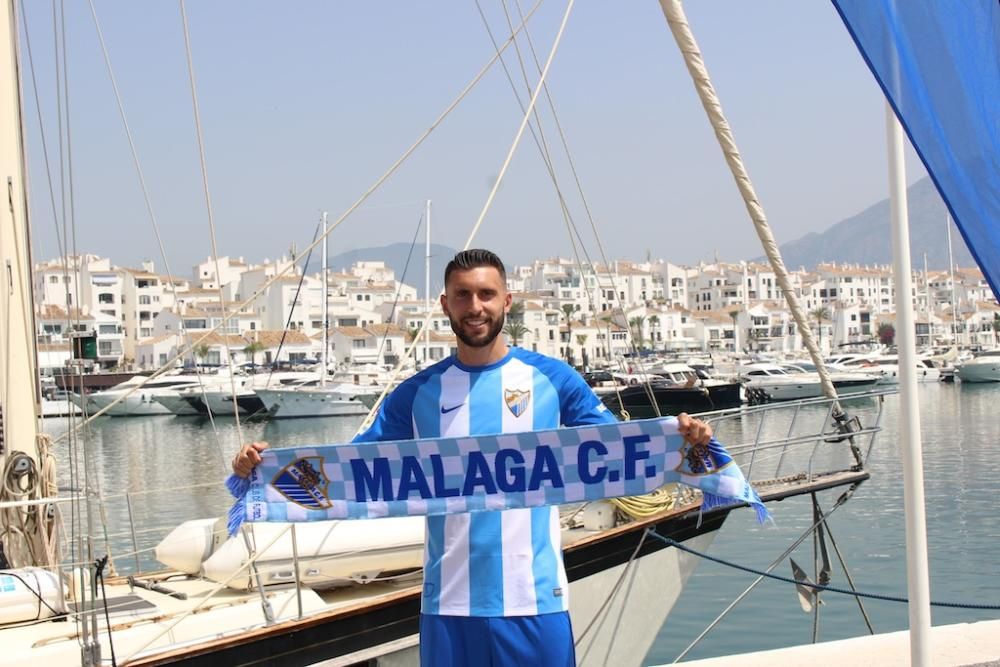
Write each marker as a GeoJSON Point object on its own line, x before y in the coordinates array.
{"type": "Point", "coordinates": [635, 328]}
{"type": "Point", "coordinates": [200, 351]}
{"type": "Point", "coordinates": [886, 333]}
{"type": "Point", "coordinates": [822, 314]}
{"type": "Point", "coordinates": [654, 325]}
{"type": "Point", "coordinates": [516, 312]}
{"type": "Point", "coordinates": [515, 332]}
{"type": "Point", "coordinates": [568, 310]}
{"type": "Point", "coordinates": [252, 349]}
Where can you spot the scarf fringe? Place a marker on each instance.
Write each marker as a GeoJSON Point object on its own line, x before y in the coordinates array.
{"type": "Point", "coordinates": [711, 501]}
{"type": "Point", "coordinates": [238, 487]}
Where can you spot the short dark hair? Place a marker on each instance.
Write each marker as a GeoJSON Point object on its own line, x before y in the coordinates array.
{"type": "Point", "coordinates": [473, 259]}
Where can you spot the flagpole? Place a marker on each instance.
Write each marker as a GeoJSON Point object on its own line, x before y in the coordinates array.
{"type": "Point", "coordinates": [917, 579]}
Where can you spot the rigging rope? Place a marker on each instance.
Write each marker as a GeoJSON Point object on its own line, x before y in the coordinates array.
{"type": "Point", "coordinates": [211, 216]}
{"type": "Point", "coordinates": [147, 200]}
{"type": "Point", "coordinates": [673, 11]}
{"type": "Point", "coordinates": [350, 210]}
{"type": "Point", "coordinates": [819, 587]}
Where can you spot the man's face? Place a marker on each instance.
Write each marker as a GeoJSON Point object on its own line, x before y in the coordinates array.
{"type": "Point", "coordinates": [476, 302]}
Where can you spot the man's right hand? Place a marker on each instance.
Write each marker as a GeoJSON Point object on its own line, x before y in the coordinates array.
{"type": "Point", "coordinates": [247, 458]}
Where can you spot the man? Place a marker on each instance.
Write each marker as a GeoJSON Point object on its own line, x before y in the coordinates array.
{"type": "Point", "coordinates": [495, 590]}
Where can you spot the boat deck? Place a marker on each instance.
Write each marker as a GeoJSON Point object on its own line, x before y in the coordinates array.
{"type": "Point", "coordinates": [965, 644]}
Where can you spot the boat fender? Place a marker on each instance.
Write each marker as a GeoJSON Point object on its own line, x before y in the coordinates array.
{"type": "Point", "coordinates": [30, 594]}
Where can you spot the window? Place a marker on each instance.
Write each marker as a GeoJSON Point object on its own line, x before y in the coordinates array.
{"type": "Point", "coordinates": [104, 348]}
{"type": "Point", "coordinates": [144, 300]}
{"type": "Point", "coordinates": [107, 329]}
{"type": "Point", "coordinates": [54, 280]}
{"type": "Point", "coordinates": [358, 343]}
{"type": "Point", "coordinates": [105, 297]}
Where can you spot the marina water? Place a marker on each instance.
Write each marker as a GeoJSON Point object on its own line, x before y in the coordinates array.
{"type": "Point", "coordinates": [173, 467]}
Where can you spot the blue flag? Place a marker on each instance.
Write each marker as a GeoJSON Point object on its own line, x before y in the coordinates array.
{"type": "Point", "coordinates": [938, 63]}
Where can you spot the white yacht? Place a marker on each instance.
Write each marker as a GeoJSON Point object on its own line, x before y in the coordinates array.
{"type": "Point", "coordinates": [333, 400]}
{"type": "Point", "coordinates": [142, 401]}
{"type": "Point", "coordinates": [790, 382]}
{"type": "Point", "coordinates": [983, 368]}
{"type": "Point", "coordinates": [887, 367]}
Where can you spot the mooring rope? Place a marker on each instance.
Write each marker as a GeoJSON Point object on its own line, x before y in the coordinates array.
{"type": "Point", "coordinates": [818, 587]}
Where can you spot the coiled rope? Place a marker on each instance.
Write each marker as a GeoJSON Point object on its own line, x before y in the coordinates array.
{"type": "Point", "coordinates": [30, 533]}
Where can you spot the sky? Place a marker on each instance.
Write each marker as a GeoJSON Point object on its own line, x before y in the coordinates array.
{"type": "Point", "coordinates": [304, 105]}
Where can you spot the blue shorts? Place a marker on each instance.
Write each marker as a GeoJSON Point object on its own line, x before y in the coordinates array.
{"type": "Point", "coordinates": [496, 641]}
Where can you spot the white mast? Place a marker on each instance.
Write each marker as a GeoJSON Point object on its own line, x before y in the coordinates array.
{"type": "Point", "coordinates": [19, 400]}
{"type": "Point", "coordinates": [917, 578]}
{"type": "Point", "coordinates": [427, 278]}
{"type": "Point", "coordinates": [951, 272]}
{"type": "Point", "coordinates": [927, 301]}
{"type": "Point", "coordinates": [326, 311]}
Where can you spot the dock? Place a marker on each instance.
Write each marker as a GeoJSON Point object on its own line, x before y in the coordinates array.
{"type": "Point", "coordinates": [960, 645]}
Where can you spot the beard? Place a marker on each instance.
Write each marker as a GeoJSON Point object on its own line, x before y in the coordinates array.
{"type": "Point", "coordinates": [493, 328]}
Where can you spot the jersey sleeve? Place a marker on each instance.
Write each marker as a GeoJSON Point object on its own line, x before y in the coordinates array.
{"type": "Point", "coordinates": [393, 421]}
{"type": "Point", "coordinates": [579, 405]}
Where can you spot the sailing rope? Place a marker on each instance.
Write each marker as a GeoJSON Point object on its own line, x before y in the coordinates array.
{"type": "Point", "coordinates": [674, 13]}
{"type": "Point", "coordinates": [30, 532]}
{"type": "Point", "coordinates": [808, 584]}
{"type": "Point", "coordinates": [226, 316]}
{"type": "Point", "coordinates": [211, 217]}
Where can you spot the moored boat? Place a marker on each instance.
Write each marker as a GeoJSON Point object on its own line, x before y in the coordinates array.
{"type": "Point", "coordinates": [984, 367]}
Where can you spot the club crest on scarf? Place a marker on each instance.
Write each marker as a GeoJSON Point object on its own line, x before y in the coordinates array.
{"type": "Point", "coordinates": [517, 400]}
{"type": "Point", "coordinates": [704, 459]}
{"type": "Point", "coordinates": [304, 483]}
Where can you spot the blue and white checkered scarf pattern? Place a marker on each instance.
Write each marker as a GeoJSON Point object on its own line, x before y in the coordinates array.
{"type": "Point", "coordinates": [481, 473]}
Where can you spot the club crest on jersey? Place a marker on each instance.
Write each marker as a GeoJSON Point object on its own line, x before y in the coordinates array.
{"type": "Point", "coordinates": [304, 483]}
{"type": "Point", "coordinates": [517, 400]}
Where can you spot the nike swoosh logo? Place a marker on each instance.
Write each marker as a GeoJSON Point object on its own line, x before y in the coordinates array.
{"type": "Point", "coordinates": [445, 410]}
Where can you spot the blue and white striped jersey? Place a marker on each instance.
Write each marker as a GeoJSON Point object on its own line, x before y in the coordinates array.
{"type": "Point", "coordinates": [503, 563]}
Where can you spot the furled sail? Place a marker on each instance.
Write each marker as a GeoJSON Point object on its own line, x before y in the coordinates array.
{"type": "Point", "coordinates": [938, 63]}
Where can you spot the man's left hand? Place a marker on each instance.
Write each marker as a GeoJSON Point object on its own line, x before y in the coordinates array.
{"type": "Point", "coordinates": [694, 430]}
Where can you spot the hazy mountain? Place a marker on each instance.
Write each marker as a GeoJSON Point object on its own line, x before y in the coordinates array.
{"type": "Point", "coordinates": [866, 238]}
{"type": "Point", "coordinates": [395, 255]}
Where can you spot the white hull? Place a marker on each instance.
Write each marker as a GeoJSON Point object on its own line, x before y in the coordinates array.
{"type": "Point", "coordinates": [890, 374]}
{"type": "Point", "coordinates": [138, 404]}
{"type": "Point", "coordinates": [979, 371]}
{"type": "Point", "coordinates": [176, 404]}
{"type": "Point", "coordinates": [60, 408]}
{"type": "Point", "coordinates": [621, 632]}
{"type": "Point", "coordinates": [290, 403]}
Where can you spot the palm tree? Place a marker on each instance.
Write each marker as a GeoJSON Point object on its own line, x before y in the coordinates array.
{"type": "Point", "coordinates": [515, 331]}
{"type": "Point", "coordinates": [568, 309]}
{"type": "Point", "coordinates": [654, 325]}
{"type": "Point", "coordinates": [822, 314]}
{"type": "Point", "coordinates": [200, 351]}
{"type": "Point", "coordinates": [252, 349]}
{"type": "Point", "coordinates": [635, 326]}
{"type": "Point", "coordinates": [516, 312]}
{"type": "Point", "coordinates": [581, 340]}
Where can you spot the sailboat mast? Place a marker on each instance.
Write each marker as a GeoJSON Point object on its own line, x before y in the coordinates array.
{"type": "Point", "coordinates": [326, 309]}
{"type": "Point", "coordinates": [427, 277]}
{"type": "Point", "coordinates": [951, 272]}
{"type": "Point", "coordinates": [917, 570]}
{"type": "Point", "coordinates": [19, 393]}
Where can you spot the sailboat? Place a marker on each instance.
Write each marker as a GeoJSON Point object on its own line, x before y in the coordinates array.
{"type": "Point", "coordinates": [624, 578]}
{"type": "Point", "coordinates": [339, 400]}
